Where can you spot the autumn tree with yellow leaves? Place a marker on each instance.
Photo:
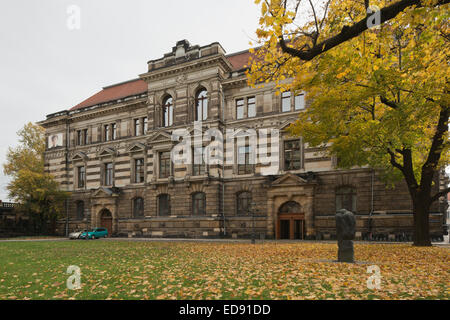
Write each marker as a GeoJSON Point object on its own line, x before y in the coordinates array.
{"type": "Point", "coordinates": [35, 190]}
{"type": "Point", "coordinates": [376, 74]}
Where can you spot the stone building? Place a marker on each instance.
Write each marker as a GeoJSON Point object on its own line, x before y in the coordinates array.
{"type": "Point", "coordinates": [113, 153]}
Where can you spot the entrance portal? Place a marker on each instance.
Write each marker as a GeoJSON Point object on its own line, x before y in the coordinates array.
{"type": "Point", "coordinates": [291, 221]}
{"type": "Point", "coordinates": [106, 220]}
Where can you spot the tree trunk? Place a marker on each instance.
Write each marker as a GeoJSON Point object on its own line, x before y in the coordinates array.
{"type": "Point", "coordinates": [421, 209]}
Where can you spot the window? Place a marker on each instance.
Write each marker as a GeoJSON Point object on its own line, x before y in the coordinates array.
{"type": "Point", "coordinates": [164, 164]}
{"type": "Point", "coordinates": [168, 112]}
{"type": "Point", "coordinates": [79, 138]}
{"type": "Point", "coordinates": [244, 165]}
{"type": "Point", "coordinates": [139, 174]}
{"type": "Point", "coordinates": [80, 210]}
{"type": "Point", "coordinates": [85, 136]}
{"type": "Point", "coordinates": [138, 207]}
{"type": "Point", "coordinates": [106, 132]}
{"type": "Point", "coordinates": [299, 103]}
{"type": "Point", "coordinates": [243, 203]}
{"type": "Point", "coordinates": [108, 174]}
{"type": "Point", "coordinates": [201, 105]}
{"type": "Point", "coordinates": [286, 101]}
{"type": "Point", "coordinates": [292, 155]}
{"type": "Point", "coordinates": [81, 177]}
{"type": "Point", "coordinates": [346, 198]}
{"type": "Point", "coordinates": [113, 131]}
{"type": "Point", "coordinates": [199, 204]}
{"type": "Point", "coordinates": [164, 205]}
{"type": "Point", "coordinates": [251, 107]}
{"type": "Point", "coordinates": [198, 163]}
{"type": "Point", "coordinates": [137, 127]}
{"type": "Point", "coordinates": [240, 109]}
{"type": "Point", "coordinates": [145, 125]}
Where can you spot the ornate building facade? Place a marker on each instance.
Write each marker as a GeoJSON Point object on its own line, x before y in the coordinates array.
{"type": "Point", "coordinates": [113, 153]}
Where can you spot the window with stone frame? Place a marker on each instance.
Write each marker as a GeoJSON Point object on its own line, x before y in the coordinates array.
{"type": "Point", "coordinates": [201, 105]}
{"type": "Point", "coordinates": [113, 131]}
{"type": "Point", "coordinates": [199, 204]}
{"type": "Point", "coordinates": [108, 174]}
{"type": "Point", "coordinates": [85, 136]}
{"type": "Point", "coordinates": [80, 210]}
{"type": "Point", "coordinates": [243, 203]}
{"type": "Point", "coordinates": [81, 177]}
{"type": "Point", "coordinates": [240, 109]}
{"type": "Point", "coordinates": [145, 129]}
{"type": "Point", "coordinates": [244, 160]}
{"type": "Point", "coordinates": [164, 205]}
{"type": "Point", "coordinates": [286, 101]}
{"type": "Point", "coordinates": [79, 138]}
{"type": "Point", "coordinates": [292, 155]}
{"type": "Point", "coordinates": [139, 171]}
{"type": "Point", "coordinates": [106, 132]}
{"type": "Point", "coordinates": [299, 101]}
{"type": "Point", "coordinates": [164, 164]}
{"type": "Point", "coordinates": [137, 127]}
{"type": "Point", "coordinates": [251, 107]}
{"type": "Point", "coordinates": [346, 198]}
{"type": "Point", "coordinates": [198, 162]}
{"type": "Point", "coordinates": [138, 207]}
{"type": "Point", "coordinates": [167, 119]}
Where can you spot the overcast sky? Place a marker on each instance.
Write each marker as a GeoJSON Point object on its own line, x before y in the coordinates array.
{"type": "Point", "coordinates": [46, 67]}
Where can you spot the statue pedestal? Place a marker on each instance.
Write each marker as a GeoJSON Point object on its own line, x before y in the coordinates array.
{"type": "Point", "coordinates": [346, 252]}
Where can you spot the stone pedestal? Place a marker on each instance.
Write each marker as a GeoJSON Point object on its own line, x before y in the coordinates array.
{"type": "Point", "coordinates": [345, 229]}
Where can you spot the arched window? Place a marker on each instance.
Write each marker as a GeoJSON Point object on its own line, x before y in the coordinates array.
{"type": "Point", "coordinates": [80, 210]}
{"type": "Point", "coordinates": [290, 207]}
{"type": "Point", "coordinates": [167, 119]}
{"type": "Point", "coordinates": [199, 204]}
{"type": "Point", "coordinates": [243, 203]}
{"type": "Point", "coordinates": [201, 105]}
{"type": "Point", "coordinates": [164, 205]}
{"type": "Point", "coordinates": [346, 198]}
{"type": "Point", "coordinates": [138, 207]}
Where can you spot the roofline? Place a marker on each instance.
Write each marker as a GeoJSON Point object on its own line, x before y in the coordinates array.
{"type": "Point", "coordinates": [121, 83]}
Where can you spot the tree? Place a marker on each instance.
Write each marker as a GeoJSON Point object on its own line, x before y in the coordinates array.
{"type": "Point", "coordinates": [378, 99]}
{"type": "Point", "coordinates": [35, 190]}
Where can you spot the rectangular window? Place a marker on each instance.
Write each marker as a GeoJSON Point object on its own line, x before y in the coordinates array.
{"type": "Point", "coordinates": [79, 138]}
{"type": "Point", "coordinates": [85, 136]}
{"type": "Point", "coordinates": [145, 125]}
{"type": "Point", "coordinates": [240, 109]}
{"type": "Point", "coordinates": [106, 132]}
{"type": "Point", "coordinates": [139, 174]}
{"type": "Point", "coordinates": [164, 205]}
{"type": "Point", "coordinates": [251, 107]}
{"type": "Point", "coordinates": [244, 165]}
{"type": "Point", "coordinates": [198, 162]}
{"type": "Point", "coordinates": [164, 164]}
{"type": "Point", "coordinates": [292, 155]}
{"type": "Point", "coordinates": [286, 101]}
{"type": "Point", "coordinates": [113, 131]}
{"type": "Point", "coordinates": [137, 127]}
{"type": "Point", "coordinates": [108, 174]}
{"type": "Point", "coordinates": [81, 177]}
{"type": "Point", "coordinates": [300, 102]}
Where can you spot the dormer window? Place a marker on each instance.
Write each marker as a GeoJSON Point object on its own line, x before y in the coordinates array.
{"type": "Point", "coordinates": [201, 105]}
{"type": "Point", "coordinates": [167, 112]}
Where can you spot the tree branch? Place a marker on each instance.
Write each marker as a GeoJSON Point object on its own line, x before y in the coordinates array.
{"type": "Point", "coordinates": [350, 32]}
{"type": "Point", "coordinates": [440, 194]}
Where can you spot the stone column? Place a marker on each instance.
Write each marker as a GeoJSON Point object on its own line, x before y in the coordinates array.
{"type": "Point", "coordinates": [270, 218]}
{"type": "Point", "coordinates": [309, 216]}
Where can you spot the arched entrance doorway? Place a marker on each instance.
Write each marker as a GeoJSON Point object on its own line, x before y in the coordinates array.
{"type": "Point", "coordinates": [106, 220]}
{"type": "Point", "coordinates": [291, 221]}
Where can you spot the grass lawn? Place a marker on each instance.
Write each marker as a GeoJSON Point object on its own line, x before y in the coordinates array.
{"type": "Point", "coordinates": [175, 270]}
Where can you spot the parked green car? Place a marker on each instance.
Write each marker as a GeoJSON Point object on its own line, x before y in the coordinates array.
{"type": "Point", "coordinates": [95, 233]}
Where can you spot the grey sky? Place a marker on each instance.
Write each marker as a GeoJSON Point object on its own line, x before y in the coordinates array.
{"type": "Point", "coordinates": [45, 67]}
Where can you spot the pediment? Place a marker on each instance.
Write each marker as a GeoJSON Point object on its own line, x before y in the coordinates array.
{"type": "Point", "coordinates": [107, 152]}
{"type": "Point", "coordinates": [160, 137]}
{"type": "Point", "coordinates": [105, 192]}
{"type": "Point", "coordinates": [80, 156]}
{"type": "Point", "coordinates": [285, 124]}
{"type": "Point", "coordinates": [289, 179]}
{"type": "Point", "coordinates": [137, 147]}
